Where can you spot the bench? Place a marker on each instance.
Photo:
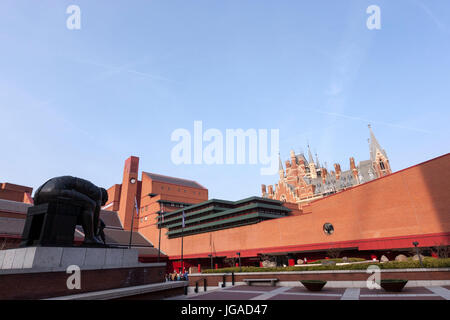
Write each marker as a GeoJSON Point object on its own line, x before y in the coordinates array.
{"type": "Point", "coordinates": [271, 280]}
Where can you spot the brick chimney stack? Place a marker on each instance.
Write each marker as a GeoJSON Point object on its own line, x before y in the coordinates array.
{"type": "Point", "coordinates": [288, 164]}
{"type": "Point", "coordinates": [337, 168]}
{"type": "Point", "coordinates": [293, 160]}
{"type": "Point", "coordinates": [353, 168]}
{"type": "Point", "coordinates": [324, 174]}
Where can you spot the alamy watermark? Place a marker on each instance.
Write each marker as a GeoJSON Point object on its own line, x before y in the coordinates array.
{"type": "Point", "coordinates": [374, 20]}
{"type": "Point", "coordinates": [235, 146]}
{"type": "Point", "coordinates": [74, 280]}
{"type": "Point", "coordinates": [73, 22]}
{"type": "Point", "coordinates": [373, 282]}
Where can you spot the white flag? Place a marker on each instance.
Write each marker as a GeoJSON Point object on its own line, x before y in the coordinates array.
{"type": "Point", "coordinates": [183, 219]}
{"type": "Point", "coordinates": [136, 206]}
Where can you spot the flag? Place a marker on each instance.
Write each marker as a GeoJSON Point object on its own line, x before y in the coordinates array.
{"type": "Point", "coordinates": [183, 219]}
{"type": "Point", "coordinates": [136, 206]}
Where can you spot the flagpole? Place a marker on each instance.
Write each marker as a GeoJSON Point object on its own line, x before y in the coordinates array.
{"type": "Point", "coordinates": [182, 240]}
{"type": "Point", "coordinates": [132, 221]}
{"type": "Point", "coordinates": [160, 227]}
{"type": "Point", "coordinates": [131, 232]}
{"type": "Point", "coordinates": [182, 237]}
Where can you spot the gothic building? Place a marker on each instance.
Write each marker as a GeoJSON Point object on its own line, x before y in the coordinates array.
{"type": "Point", "coordinates": [303, 179]}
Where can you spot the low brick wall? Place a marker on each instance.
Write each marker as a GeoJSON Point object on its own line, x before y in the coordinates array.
{"type": "Point", "coordinates": [213, 279]}
{"type": "Point", "coordinates": [53, 284]}
{"type": "Point", "coordinates": [157, 295]}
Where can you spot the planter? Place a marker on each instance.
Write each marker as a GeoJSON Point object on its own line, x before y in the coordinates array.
{"type": "Point", "coordinates": [313, 285]}
{"type": "Point", "coordinates": [393, 285]}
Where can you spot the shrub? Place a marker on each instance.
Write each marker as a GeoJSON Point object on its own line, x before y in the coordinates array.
{"type": "Point", "coordinates": [427, 263]}
{"type": "Point", "coordinates": [338, 260]}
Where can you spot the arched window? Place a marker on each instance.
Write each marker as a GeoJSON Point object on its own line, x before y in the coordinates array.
{"type": "Point", "coordinates": [382, 165]}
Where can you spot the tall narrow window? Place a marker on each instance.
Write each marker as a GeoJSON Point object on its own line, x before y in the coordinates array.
{"type": "Point", "coordinates": [382, 165]}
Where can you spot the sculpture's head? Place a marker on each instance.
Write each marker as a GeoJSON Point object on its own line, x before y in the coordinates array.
{"type": "Point", "coordinates": [104, 196]}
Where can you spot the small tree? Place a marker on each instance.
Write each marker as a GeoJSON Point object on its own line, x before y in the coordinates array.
{"type": "Point", "coordinates": [442, 250]}
{"type": "Point", "coordinates": [229, 262]}
{"type": "Point", "coordinates": [413, 251]}
{"type": "Point", "coordinates": [3, 245]}
{"type": "Point", "coordinates": [334, 253]}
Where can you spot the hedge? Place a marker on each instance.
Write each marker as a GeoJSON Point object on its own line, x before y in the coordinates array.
{"type": "Point", "coordinates": [427, 263]}
{"type": "Point", "coordinates": [338, 260]}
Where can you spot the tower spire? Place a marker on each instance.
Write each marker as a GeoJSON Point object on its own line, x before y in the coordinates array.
{"type": "Point", "coordinates": [280, 164]}
{"type": "Point", "coordinates": [378, 156]}
{"type": "Point", "coordinates": [280, 167]}
{"type": "Point", "coordinates": [374, 146]}
{"type": "Point", "coordinates": [310, 157]}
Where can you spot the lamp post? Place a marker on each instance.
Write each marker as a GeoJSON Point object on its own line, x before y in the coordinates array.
{"type": "Point", "coordinates": [415, 244]}
{"type": "Point", "coordinates": [239, 257]}
{"type": "Point", "coordinates": [160, 227]}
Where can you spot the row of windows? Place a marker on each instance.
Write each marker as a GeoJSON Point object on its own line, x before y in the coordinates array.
{"type": "Point", "coordinates": [168, 204]}
{"type": "Point", "coordinates": [188, 212]}
{"type": "Point", "coordinates": [175, 205]}
{"type": "Point", "coordinates": [184, 190]}
{"type": "Point", "coordinates": [242, 213]}
{"type": "Point", "coordinates": [224, 226]}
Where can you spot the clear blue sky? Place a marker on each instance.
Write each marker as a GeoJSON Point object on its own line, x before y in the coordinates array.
{"type": "Point", "coordinates": [80, 102]}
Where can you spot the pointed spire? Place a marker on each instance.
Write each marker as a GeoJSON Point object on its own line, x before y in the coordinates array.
{"type": "Point", "coordinates": [310, 157]}
{"type": "Point", "coordinates": [374, 145]}
{"type": "Point", "coordinates": [280, 165]}
{"type": "Point", "coordinates": [317, 161]}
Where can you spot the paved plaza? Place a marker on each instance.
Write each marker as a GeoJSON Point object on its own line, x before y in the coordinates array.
{"type": "Point", "coordinates": [300, 293]}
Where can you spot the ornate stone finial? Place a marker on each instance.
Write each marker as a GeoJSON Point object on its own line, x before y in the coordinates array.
{"type": "Point", "coordinates": [292, 153]}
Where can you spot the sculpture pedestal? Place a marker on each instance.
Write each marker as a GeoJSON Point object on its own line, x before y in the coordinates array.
{"type": "Point", "coordinates": [59, 258]}
{"type": "Point", "coordinates": [41, 272]}
{"type": "Point", "coordinates": [51, 223]}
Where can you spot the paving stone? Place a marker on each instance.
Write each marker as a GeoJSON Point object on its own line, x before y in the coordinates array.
{"type": "Point", "coordinates": [303, 297]}
{"type": "Point", "coordinates": [223, 295]}
{"type": "Point", "coordinates": [251, 288]}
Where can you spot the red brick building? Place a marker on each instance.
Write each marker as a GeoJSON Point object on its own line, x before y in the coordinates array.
{"type": "Point", "coordinates": [305, 180]}
{"type": "Point", "coordinates": [372, 218]}
{"type": "Point", "coordinates": [15, 192]}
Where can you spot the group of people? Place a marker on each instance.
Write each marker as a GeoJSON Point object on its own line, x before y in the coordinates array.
{"type": "Point", "coordinates": [175, 276]}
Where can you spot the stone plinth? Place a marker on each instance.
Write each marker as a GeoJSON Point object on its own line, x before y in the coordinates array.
{"type": "Point", "coordinates": [41, 272]}
{"type": "Point", "coordinates": [59, 258]}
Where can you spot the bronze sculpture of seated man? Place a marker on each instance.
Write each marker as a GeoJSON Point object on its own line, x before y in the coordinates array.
{"type": "Point", "coordinates": [91, 197]}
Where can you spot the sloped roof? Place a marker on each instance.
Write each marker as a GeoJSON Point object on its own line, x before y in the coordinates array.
{"type": "Point", "coordinates": [14, 206]}
{"type": "Point", "coordinates": [111, 219]}
{"type": "Point", "coordinates": [302, 157]}
{"type": "Point", "coordinates": [11, 226]}
{"type": "Point", "coordinates": [114, 233]}
{"type": "Point", "coordinates": [173, 180]}
{"type": "Point", "coordinates": [365, 171]}
{"type": "Point", "coordinates": [374, 146]}
{"type": "Point", "coordinates": [122, 238]}
{"type": "Point", "coordinates": [148, 251]}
